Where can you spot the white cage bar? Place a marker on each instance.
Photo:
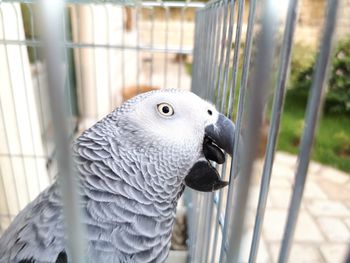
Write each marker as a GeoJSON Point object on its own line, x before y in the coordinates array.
{"type": "Point", "coordinates": [109, 55]}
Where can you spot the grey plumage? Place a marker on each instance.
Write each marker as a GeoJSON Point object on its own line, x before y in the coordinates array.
{"type": "Point", "coordinates": [131, 167]}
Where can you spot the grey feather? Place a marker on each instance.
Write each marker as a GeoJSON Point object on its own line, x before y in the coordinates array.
{"type": "Point", "coordinates": [129, 185]}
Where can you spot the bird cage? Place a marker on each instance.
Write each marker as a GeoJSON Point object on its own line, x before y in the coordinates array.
{"type": "Point", "coordinates": [113, 51]}
{"type": "Point", "coordinates": [235, 54]}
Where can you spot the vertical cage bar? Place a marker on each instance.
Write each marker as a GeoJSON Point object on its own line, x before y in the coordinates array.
{"type": "Point", "coordinates": [201, 76]}
{"type": "Point", "coordinates": [195, 50]}
{"type": "Point", "coordinates": [207, 212]}
{"type": "Point", "coordinates": [214, 72]}
{"type": "Point", "coordinates": [208, 204]}
{"type": "Point", "coordinates": [122, 52]}
{"type": "Point", "coordinates": [202, 67]}
{"type": "Point", "coordinates": [51, 13]}
{"type": "Point", "coordinates": [199, 55]}
{"type": "Point", "coordinates": [137, 10]}
{"type": "Point", "coordinates": [236, 57]}
{"type": "Point", "coordinates": [211, 64]}
{"type": "Point", "coordinates": [67, 79]}
{"type": "Point", "coordinates": [93, 55]}
{"type": "Point", "coordinates": [166, 46]}
{"type": "Point", "coordinates": [81, 87]}
{"type": "Point", "coordinates": [108, 40]}
{"type": "Point", "coordinates": [208, 64]}
{"type": "Point", "coordinates": [35, 52]}
{"type": "Point", "coordinates": [199, 201]}
{"type": "Point", "coordinates": [152, 45]}
{"type": "Point", "coordinates": [228, 52]}
{"type": "Point", "coordinates": [196, 203]}
{"type": "Point", "coordinates": [207, 226]}
{"type": "Point", "coordinates": [195, 88]}
{"type": "Point", "coordinates": [313, 111]}
{"type": "Point", "coordinates": [259, 88]}
{"type": "Point", "coordinates": [208, 60]}
{"type": "Point", "coordinates": [218, 197]}
{"type": "Point", "coordinates": [239, 118]}
{"type": "Point", "coordinates": [277, 109]}
{"type": "Point", "coordinates": [181, 46]}
{"type": "Point", "coordinates": [212, 55]}
{"type": "Point", "coordinates": [195, 54]}
{"type": "Point", "coordinates": [222, 53]}
{"type": "Point", "coordinates": [201, 197]}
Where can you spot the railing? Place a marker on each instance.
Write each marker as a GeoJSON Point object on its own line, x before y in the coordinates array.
{"type": "Point", "coordinates": [217, 219]}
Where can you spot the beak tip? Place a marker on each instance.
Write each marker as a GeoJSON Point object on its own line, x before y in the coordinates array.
{"type": "Point", "coordinates": [223, 133]}
{"type": "Point", "coordinates": [221, 184]}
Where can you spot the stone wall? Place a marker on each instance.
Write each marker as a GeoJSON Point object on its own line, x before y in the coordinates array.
{"type": "Point", "coordinates": [310, 21]}
{"type": "Point", "coordinates": [343, 27]}
{"type": "Point", "coordinates": [311, 18]}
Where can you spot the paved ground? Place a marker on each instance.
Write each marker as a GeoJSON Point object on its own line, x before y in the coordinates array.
{"type": "Point", "coordinates": [323, 230]}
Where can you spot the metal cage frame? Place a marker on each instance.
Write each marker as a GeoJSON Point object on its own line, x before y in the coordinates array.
{"type": "Point", "coordinates": [215, 77]}
{"type": "Point", "coordinates": [211, 80]}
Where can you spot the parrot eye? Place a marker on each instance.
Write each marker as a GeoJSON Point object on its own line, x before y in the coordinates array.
{"type": "Point", "coordinates": [165, 109]}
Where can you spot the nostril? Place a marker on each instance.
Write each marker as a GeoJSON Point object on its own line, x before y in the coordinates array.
{"type": "Point", "coordinates": [210, 112]}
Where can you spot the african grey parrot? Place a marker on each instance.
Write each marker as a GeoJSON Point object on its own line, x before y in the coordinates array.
{"type": "Point", "coordinates": [133, 166]}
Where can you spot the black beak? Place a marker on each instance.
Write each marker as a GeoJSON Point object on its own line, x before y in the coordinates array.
{"type": "Point", "coordinates": [219, 136]}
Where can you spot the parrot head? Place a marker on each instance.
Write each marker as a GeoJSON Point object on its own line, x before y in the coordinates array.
{"type": "Point", "coordinates": [188, 127]}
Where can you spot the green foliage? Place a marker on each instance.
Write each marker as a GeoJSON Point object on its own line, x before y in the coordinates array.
{"type": "Point", "coordinates": [337, 98]}
{"type": "Point", "coordinates": [342, 141]}
{"type": "Point", "coordinates": [332, 142]}
{"type": "Point", "coordinates": [338, 95]}
{"type": "Point", "coordinates": [303, 58]}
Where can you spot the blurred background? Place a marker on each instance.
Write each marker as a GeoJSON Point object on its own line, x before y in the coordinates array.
{"type": "Point", "coordinates": [114, 51]}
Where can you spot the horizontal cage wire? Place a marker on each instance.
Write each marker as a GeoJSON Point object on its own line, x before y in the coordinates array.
{"type": "Point", "coordinates": [234, 53]}
{"type": "Point", "coordinates": [100, 71]}
{"type": "Point", "coordinates": [112, 52]}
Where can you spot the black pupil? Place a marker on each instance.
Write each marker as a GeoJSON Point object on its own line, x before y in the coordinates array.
{"type": "Point", "coordinates": [210, 112]}
{"type": "Point", "coordinates": [165, 109]}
